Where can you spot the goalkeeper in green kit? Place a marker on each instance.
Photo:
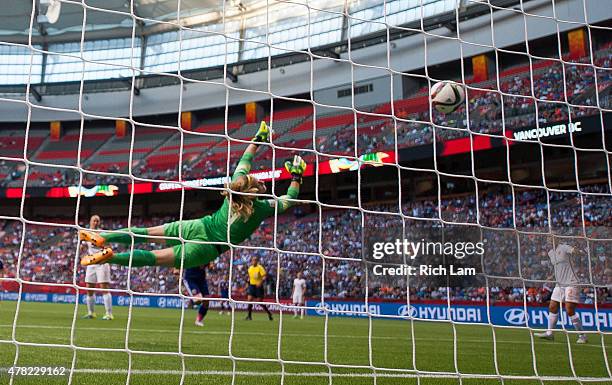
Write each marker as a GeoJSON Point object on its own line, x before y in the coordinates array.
{"type": "Point", "coordinates": [242, 213]}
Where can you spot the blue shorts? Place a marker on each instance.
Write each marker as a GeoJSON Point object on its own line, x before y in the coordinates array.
{"type": "Point", "coordinates": [196, 285]}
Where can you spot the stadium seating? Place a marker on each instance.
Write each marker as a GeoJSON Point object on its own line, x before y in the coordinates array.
{"type": "Point", "coordinates": [155, 152]}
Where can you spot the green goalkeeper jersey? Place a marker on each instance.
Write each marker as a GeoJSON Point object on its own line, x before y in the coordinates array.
{"type": "Point", "coordinates": [216, 224]}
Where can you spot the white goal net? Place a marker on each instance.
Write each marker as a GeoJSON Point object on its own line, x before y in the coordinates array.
{"type": "Point", "coordinates": [139, 111]}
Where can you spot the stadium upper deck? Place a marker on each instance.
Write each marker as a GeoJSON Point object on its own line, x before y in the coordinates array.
{"type": "Point", "coordinates": [155, 152]}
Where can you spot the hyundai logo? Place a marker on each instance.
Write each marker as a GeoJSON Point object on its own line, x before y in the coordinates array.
{"type": "Point", "coordinates": [321, 308]}
{"type": "Point", "coordinates": [407, 311]}
{"type": "Point", "coordinates": [515, 316]}
{"type": "Point", "coordinates": [161, 302]}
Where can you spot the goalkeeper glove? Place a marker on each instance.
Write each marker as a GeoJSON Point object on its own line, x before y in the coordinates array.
{"type": "Point", "coordinates": [263, 134]}
{"type": "Point", "coordinates": [296, 167]}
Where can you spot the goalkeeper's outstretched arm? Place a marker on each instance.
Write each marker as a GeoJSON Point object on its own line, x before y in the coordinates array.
{"type": "Point", "coordinates": [244, 165]}
{"type": "Point", "coordinates": [296, 167]}
{"type": "Point", "coordinates": [287, 200]}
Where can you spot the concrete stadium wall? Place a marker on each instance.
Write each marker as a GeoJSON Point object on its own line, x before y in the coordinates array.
{"type": "Point", "coordinates": [405, 54]}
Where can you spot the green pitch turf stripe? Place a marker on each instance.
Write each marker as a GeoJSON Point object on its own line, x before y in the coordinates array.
{"type": "Point", "coordinates": [306, 335]}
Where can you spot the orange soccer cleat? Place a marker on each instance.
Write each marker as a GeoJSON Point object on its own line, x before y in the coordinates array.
{"type": "Point", "coordinates": [97, 258]}
{"type": "Point", "coordinates": [89, 236]}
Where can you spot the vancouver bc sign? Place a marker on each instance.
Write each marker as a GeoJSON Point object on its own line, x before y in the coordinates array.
{"type": "Point", "coordinates": [548, 131]}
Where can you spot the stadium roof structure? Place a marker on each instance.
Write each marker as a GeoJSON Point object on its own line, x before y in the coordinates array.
{"type": "Point", "coordinates": [208, 39]}
{"type": "Point", "coordinates": [115, 18]}
{"type": "Point", "coordinates": [16, 14]}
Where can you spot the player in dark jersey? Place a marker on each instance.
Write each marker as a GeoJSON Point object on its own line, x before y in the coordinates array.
{"type": "Point", "coordinates": [223, 289]}
{"type": "Point", "coordinates": [196, 285]}
{"type": "Point", "coordinates": [243, 216]}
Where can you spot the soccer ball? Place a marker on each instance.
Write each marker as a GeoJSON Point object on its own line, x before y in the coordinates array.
{"type": "Point", "coordinates": [447, 96]}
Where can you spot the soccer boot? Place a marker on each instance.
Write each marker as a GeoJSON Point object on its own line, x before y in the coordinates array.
{"type": "Point", "coordinates": [108, 317]}
{"type": "Point", "coordinates": [582, 339]}
{"type": "Point", "coordinates": [89, 316]}
{"type": "Point", "coordinates": [97, 258]}
{"type": "Point", "coordinates": [89, 236]}
{"type": "Point", "coordinates": [545, 336]}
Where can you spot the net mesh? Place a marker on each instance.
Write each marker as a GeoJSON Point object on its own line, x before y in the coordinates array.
{"type": "Point", "coordinates": [518, 231]}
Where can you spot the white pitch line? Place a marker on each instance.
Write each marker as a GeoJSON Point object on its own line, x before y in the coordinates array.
{"type": "Point", "coordinates": [412, 374]}
{"type": "Point", "coordinates": [275, 335]}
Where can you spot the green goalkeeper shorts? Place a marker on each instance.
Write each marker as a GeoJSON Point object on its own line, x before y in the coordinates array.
{"type": "Point", "coordinates": [195, 254]}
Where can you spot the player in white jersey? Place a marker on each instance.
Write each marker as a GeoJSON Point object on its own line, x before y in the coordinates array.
{"type": "Point", "coordinates": [97, 274]}
{"type": "Point", "coordinates": [299, 290]}
{"type": "Point", "coordinates": [566, 291]}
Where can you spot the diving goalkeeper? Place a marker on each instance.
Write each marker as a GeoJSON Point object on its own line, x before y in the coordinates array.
{"type": "Point", "coordinates": [243, 216]}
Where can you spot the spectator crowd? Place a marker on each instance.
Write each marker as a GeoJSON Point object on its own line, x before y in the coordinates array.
{"type": "Point", "coordinates": [334, 254]}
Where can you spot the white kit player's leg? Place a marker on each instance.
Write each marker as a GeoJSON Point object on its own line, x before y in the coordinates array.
{"type": "Point", "coordinates": [298, 300]}
{"type": "Point", "coordinates": [108, 304]}
{"type": "Point", "coordinates": [577, 323]}
{"type": "Point", "coordinates": [552, 322]}
{"type": "Point", "coordinates": [91, 301]}
{"type": "Point", "coordinates": [103, 276]}
{"type": "Point", "coordinates": [572, 296]}
{"type": "Point", "coordinates": [558, 296]}
{"type": "Point", "coordinates": [90, 280]}
{"type": "Point", "coordinates": [296, 303]}
{"type": "Point", "coordinates": [301, 303]}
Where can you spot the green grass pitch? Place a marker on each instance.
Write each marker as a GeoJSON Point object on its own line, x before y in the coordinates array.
{"type": "Point", "coordinates": [348, 343]}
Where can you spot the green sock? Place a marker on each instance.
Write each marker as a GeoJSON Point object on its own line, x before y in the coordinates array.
{"type": "Point", "coordinates": [125, 238]}
{"type": "Point", "coordinates": [140, 258]}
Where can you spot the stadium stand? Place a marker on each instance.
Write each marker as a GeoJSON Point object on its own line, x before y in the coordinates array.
{"type": "Point", "coordinates": [345, 278]}
{"type": "Point", "coordinates": [155, 153]}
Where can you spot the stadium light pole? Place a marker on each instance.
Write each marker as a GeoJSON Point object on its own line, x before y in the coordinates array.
{"type": "Point", "coordinates": [230, 75]}
{"type": "Point", "coordinates": [128, 81]}
{"type": "Point", "coordinates": [345, 13]}
{"type": "Point", "coordinates": [35, 93]}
